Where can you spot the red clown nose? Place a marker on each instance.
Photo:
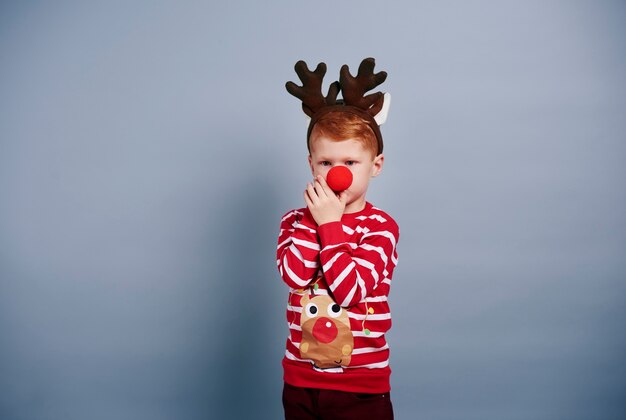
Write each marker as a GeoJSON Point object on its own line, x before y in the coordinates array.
{"type": "Point", "coordinates": [339, 178]}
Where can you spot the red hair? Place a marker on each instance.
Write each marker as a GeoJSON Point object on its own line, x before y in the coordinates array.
{"type": "Point", "coordinates": [338, 126]}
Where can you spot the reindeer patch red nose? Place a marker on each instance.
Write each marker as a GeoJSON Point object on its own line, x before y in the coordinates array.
{"type": "Point", "coordinates": [324, 330]}
{"type": "Point", "coordinates": [339, 178]}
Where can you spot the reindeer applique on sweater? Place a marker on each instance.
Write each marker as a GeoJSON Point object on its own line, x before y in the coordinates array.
{"type": "Point", "coordinates": [326, 336]}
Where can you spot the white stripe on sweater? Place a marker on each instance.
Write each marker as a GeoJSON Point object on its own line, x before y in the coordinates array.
{"type": "Point", "coordinates": [368, 265]}
{"type": "Point", "coordinates": [292, 357]}
{"type": "Point", "coordinates": [378, 217]}
{"type": "Point", "coordinates": [384, 233]}
{"type": "Point", "coordinates": [370, 349]}
{"type": "Point", "coordinates": [283, 243]}
{"type": "Point", "coordinates": [330, 262]}
{"type": "Point", "coordinates": [349, 296]}
{"type": "Point", "coordinates": [372, 334]}
{"type": "Point", "coordinates": [377, 249]}
{"type": "Point", "coordinates": [297, 280]}
{"type": "Point", "coordinates": [291, 213]}
{"type": "Point", "coordinates": [361, 284]}
{"type": "Point", "coordinates": [298, 254]}
{"type": "Point", "coordinates": [341, 277]}
{"type": "Point", "coordinates": [304, 227]}
{"type": "Point", "coordinates": [311, 245]}
{"type": "Point", "coordinates": [370, 317]}
{"type": "Point", "coordinates": [371, 365]}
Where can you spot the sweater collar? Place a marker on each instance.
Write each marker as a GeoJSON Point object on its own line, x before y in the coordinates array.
{"type": "Point", "coordinates": [351, 216]}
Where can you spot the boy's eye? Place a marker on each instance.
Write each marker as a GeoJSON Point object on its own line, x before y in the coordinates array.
{"type": "Point", "coordinates": [350, 163]}
{"type": "Point", "coordinates": [325, 163]}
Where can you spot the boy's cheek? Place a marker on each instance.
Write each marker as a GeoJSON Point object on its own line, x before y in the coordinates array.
{"type": "Point", "coordinates": [321, 171]}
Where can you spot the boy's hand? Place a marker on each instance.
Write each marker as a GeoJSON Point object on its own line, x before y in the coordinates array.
{"type": "Point", "coordinates": [324, 204]}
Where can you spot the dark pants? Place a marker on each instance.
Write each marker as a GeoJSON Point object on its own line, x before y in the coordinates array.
{"type": "Point", "coordinates": [323, 404]}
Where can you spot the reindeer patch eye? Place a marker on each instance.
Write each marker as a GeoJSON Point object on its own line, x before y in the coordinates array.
{"type": "Point", "coordinates": [311, 310]}
{"type": "Point", "coordinates": [334, 310]}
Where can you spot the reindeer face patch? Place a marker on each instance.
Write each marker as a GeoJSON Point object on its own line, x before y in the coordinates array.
{"type": "Point", "coordinates": [326, 335]}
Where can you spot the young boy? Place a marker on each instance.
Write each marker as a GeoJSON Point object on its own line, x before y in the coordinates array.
{"type": "Point", "coordinates": [337, 255]}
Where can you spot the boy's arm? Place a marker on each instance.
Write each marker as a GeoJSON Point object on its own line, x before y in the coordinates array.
{"type": "Point", "coordinates": [297, 254]}
{"type": "Point", "coordinates": [352, 274]}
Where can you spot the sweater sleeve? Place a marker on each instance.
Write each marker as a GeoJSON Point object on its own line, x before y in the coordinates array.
{"type": "Point", "coordinates": [297, 253]}
{"type": "Point", "coordinates": [352, 271]}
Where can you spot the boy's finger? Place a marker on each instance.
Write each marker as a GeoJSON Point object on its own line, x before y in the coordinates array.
{"type": "Point", "coordinates": [320, 189]}
{"type": "Point", "coordinates": [322, 181]}
{"type": "Point", "coordinates": [323, 186]}
{"type": "Point", "coordinates": [312, 193]}
{"type": "Point", "coordinates": [307, 199]}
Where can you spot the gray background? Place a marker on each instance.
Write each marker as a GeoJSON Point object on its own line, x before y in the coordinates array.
{"type": "Point", "coordinates": [148, 150]}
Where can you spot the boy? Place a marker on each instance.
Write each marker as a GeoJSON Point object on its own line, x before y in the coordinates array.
{"type": "Point", "coordinates": [337, 255]}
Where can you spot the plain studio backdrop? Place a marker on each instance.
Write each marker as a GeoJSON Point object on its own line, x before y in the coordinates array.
{"type": "Point", "coordinates": [149, 149]}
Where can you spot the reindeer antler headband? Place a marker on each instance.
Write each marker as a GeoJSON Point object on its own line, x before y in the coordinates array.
{"type": "Point", "coordinates": [372, 108]}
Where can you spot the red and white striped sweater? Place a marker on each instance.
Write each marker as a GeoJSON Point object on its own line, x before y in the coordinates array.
{"type": "Point", "coordinates": [339, 276]}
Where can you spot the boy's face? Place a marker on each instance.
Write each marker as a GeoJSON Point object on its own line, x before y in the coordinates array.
{"type": "Point", "coordinates": [327, 153]}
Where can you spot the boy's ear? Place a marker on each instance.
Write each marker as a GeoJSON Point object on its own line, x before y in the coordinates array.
{"type": "Point", "coordinates": [311, 163]}
{"type": "Point", "coordinates": [378, 165]}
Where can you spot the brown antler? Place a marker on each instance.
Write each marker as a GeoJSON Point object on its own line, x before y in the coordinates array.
{"type": "Point", "coordinates": [354, 88]}
{"type": "Point", "coordinates": [310, 93]}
